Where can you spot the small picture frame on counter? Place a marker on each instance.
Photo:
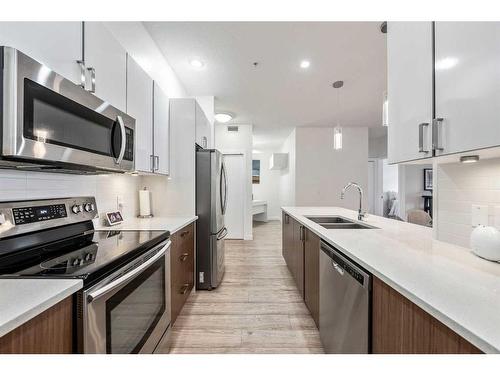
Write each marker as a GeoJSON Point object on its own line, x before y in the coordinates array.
{"type": "Point", "coordinates": [428, 179]}
{"type": "Point", "coordinates": [114, 218]}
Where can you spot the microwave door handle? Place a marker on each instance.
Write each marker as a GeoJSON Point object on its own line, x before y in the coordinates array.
{"type": "Point", "coordinates": [124, 140]}
{"type": "Point", "coordinates": [128, 276]}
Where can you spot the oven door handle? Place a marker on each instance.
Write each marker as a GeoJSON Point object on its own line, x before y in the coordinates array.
{"type": "Point", "coordinates": [128, 276]}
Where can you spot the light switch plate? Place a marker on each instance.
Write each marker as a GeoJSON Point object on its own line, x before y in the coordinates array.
{"type": "Point", "coordinates": [479, 215]}
{"type": "Point", "coordinates": [497, 217]}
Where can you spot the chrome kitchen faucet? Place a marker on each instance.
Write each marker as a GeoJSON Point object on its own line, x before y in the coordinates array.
{"type": "Point", "coordinates": [361, 214]}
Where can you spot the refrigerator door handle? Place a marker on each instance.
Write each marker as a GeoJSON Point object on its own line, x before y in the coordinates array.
{"type": "Point", "coordinates": [225, 188]}
{"type": "Point", "coordinates": [222, 235]}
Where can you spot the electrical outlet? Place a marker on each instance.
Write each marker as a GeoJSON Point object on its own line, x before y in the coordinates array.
{"type": "Point", "coordinates": [479, 215]}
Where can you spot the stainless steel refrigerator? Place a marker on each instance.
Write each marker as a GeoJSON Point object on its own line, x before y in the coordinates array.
{"type": "Point", "coordinates": [211, 202]}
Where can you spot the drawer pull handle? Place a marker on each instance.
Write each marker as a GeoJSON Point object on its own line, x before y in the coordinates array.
{"type": "Point", "coordinates": [184, 288]}
{"type": "Point", "coordinates": [184, 233]}
{"type": "Point", "coordinates": [183, 257]}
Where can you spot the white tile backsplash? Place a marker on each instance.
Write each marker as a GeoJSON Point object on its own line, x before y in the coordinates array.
{"type": "Point", "coordinates": [16, 185]}
{"type": "Point", "coordinates": [459, 187]}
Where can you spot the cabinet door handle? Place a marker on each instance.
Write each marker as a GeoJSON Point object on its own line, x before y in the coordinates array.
{"type": "Point", "coordinates": [421, 137]}
{"type": "Point", "coordinates": [152, 163]}
{"type": "Point", "coordinates": [287, 219]}
{"type": "Point", "coordinates": [301, 232]}
{"type": "Point", "coordinates": [184, 233]}
{"type": "Point", "coordinates": [436, 144]}
{"type": "Point", "coordinates": [83, 74]}
{"type": "Point", "coordinates": [183, 257]}
{"type": "Point", "coordinates": [184, 289]}
{"type": "Point", "coordinates": [92, 79]}
{"type": "Point", "coordinates": [157, 164]}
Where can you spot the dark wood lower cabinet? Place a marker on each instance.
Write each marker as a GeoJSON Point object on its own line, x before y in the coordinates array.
{"type": "Point", "coordinates": [181, 268]}
{"type": "Point", "coordinates": [51, 332]}
{"type": "Point", "coordinates": [311, 273]}
{"type": "Point", "coordinates": [401, 327]}
{"type": "Point", "coordinates": [298, 256]}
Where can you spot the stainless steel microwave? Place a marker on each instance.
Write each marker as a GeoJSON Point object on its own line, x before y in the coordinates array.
{"type": "Point", "coordinates": [50, 123]}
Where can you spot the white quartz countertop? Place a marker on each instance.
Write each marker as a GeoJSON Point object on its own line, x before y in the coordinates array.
{"type": "Point", "coordinates": [170, 223]}
{"type": "Point", "coordinates": [448, 281]}
{"type": "Point", "coordinates": [23, 299]}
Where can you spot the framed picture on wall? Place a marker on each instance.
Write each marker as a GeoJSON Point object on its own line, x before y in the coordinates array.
{"type": "Point", "coordinates": [256, 171]}
{"type": "Point", "coordinates": [428, 179]}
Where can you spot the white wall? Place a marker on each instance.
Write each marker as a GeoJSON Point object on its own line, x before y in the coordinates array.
{"type": "Point", "coordinates": [287, 179]}
{"type": "Point", "coordinates": [17, 185]}
{"type": "Point", "coordinates": [240, 141]}
{"type": "Point", "coordinates": [322, 172]}
{"type": "Point", "coordinates": [267, 190]}
{"type": "Point", "coordinates": [458, 187]}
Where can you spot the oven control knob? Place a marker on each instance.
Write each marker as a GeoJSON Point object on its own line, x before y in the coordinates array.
{"type": "Point", "coordinates": [87, 207]}
{"type": "Point", "coordinates": [81, 262]}
{"type": "Point", "coordinates": [75, 262]}
{"type": "Point", "coordinates": [76, 208]}
{"type": "Point", "coordinates": [88, 257]}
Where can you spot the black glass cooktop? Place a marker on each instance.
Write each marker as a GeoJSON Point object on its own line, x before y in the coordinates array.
{"type": "Point", "coordinates": [87, 255]}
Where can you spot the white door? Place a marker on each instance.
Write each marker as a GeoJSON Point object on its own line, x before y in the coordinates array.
{"type": "Point", "coordinates": [161, 145]}
{"type": "Point", "coordinates": [467, 85]}
{"type": "Point", "coordinates": [409, 90]}
{"type": "Point", "coordinates": [235, 210]}
{"type": "Point", "coordinates": [109, 59]}
{"type": "Point", "coordinates": [57, 45]}
{"type": "Point", "coordinates": [140, 107]}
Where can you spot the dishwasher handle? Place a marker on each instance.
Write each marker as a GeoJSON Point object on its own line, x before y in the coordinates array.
{"type": "Point", "coordinates": [346, 267]}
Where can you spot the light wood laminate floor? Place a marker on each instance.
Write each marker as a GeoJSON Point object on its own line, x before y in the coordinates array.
{"type": "Point", "coordinates": [256, 309]}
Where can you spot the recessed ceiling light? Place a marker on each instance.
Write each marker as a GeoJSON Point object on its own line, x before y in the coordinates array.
{"type": "Point", "coordinates": [198, 64]}
{"type": "Point", "coordinates": [304, 64]}
{"type": "Point", "coordinates": [469, 159]}
{"type": "Point", "coordinates": [223, 117]}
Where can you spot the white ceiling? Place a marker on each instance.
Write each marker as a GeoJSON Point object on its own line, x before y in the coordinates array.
{"type": "Point", "coordinates": [278, 95]}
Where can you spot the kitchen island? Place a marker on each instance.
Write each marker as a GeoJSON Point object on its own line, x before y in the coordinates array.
{"type": "Point", "coordinates": [446, 281]}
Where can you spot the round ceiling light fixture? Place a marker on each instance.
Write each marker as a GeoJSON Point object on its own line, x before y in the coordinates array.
{"type": "Point", "coordinates": [223, 117]}
{"type": "Point", "coordinates": [197, 64]}
{"type": "Point", "coordinates": [304, 64]}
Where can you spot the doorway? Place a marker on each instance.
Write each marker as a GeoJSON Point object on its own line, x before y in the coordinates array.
{"type": "Point", "coordinates": [235, 210]}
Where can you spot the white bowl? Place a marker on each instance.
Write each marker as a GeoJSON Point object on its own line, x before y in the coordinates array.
{"type": "Point", "coordinates": [485, 242]}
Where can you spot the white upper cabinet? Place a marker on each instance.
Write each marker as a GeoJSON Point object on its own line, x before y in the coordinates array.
{"type": "Point", "coordinates": [409, 90]}
{"type": "Point", "coordinates": [202, 127]}
{"type": "Point", "coordinates": [161, 145]}
{"type": "Point", "coordinates": [140, 107]}
{"type": "Point", "coordinates": [107, 61]}
{"type": "Point", "coordinates": [467, 75]}
{"type": "Point", "coordinates": [57, 45]}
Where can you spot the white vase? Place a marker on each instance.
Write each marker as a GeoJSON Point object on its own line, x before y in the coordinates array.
{"type": "Point", "coordinates": [485, 242]}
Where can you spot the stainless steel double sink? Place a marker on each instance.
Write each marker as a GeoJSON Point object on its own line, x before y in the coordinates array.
{"type": "Point", "coordinates": [338, 222]}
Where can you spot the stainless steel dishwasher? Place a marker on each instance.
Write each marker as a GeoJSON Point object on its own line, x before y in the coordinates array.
{"type": "Point", "coordinates": [344, 304]}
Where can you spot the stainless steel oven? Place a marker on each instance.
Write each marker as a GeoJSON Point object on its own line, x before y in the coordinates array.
{"type": "Point", "coordinates": [50, 123]}
{"type": "Point", "coordinates": [128, 311]}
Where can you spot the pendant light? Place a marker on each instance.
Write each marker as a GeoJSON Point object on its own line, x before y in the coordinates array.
{"type": "Point", "coordinates": [337, 130]}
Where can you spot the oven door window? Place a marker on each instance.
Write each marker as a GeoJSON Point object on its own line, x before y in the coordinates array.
{"type": "Point", "coordinates": [50, 117]}
{"type": "Point", "coordinates": [133, 313]}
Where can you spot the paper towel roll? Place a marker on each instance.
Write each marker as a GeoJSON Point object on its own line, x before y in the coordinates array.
{"type": "Point", "coordinates": [144, 202]}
